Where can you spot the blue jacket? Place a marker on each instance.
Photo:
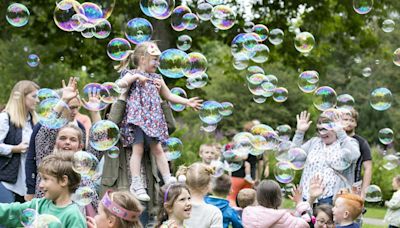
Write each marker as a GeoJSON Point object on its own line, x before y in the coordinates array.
{"type": "Point", "coordinates": [229, 214]}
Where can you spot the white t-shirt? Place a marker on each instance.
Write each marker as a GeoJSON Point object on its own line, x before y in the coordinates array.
{"type": "Point", "coordinates": [204, 216]}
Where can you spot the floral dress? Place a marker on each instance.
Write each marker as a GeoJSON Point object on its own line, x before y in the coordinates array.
{"type": "Point", "coordinates": [143, 110]}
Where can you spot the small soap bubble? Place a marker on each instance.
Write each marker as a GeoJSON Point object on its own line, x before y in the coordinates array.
{"type": "Point", "coordinates": [373, 194]}
{"type": "Point", "coordinates": [102, 29]}
{"type": "Point", "coordinates": [325, 98]}
{"type": "Point", "coordinates": [259, 99]}
{"type": "Point", "coordinates": [113, 152]}
{"type": "Point", "coordinates": [226, 109]}
{"type": "Point", "coordinates": [198, 81]}
{"type": "Point", "coordinates": [64, 12]}
{"type": "Point", "coordinates": [50, 118]}
{"type": "Point", "coordinates": [390, 162]}
{"type": "Point", "coordinates": [280, 94]}
{"type": "Point", "coordinates": [345, 101]}
{"type": "Point", "coordinates": [83, 196]}
{"type": "Point", "coordinates": [396, 57]}
{"type": "Point", "coordinates": [248, 26]}
{"type": "Point", "coordinates": [209, 112]}
{"type": "Point", "coordinates": [363, 6]}
{"type": "Point", "coordinates": [299, 157]}
{"type": "Point", "coordinates": [204, 11]}
{"type": "Point", "coordinates": [177, 22]}
{"type": "Point", "coordinates": [385, 136]}
{"type": "Point", "coordinates": [33, 60]}
{"type": "Point", "coordinates": [190, 20]}
{"type": "Point", "coordinates": [276, 36]}
{"type": "Point", "coordinates": [262, 31]}
{"type": "Point", "coordinates": [45, 93]}
{"type": "Point", "coordinates": [208, 127]}
{"type": "Point", "coordinates": [92, 11]}
{"type": "Point", "coordinates": [261, 53]}
{"type": "Point", "coordinates": [93, 95]}
{"type": "Point", "coordinates": [105, 135]}
{"type": "Point", "coordinates": [28, 217]}
{"type": "Point", "coordinates": [284, 172]}
{"type": "Point", "coordinates": [175, 106]}
{"type": "Point", "coordinates": [161, 9]}
{"type": "Point", "coordinates": [174, 147]}
{"type": "Point", "coordinates": [366, 72]}
{"type": "Point", "coordinates": [184, 42]}
{"type": "Point", "coordinates": [82, 162]}
{"type": "Point", "coordinates": [388, 25]}
{"type": "Point", "coordinates": [17, 15]}
{"type": "Point", "coordinates": [304, 42]}
{"type": "Point", "coordinates": [381, 99]}
{"type": "Point", "coordinates": [118, 49]}
{"type": "Point", "coordinates": [197, 64]}
{"type": "Point", "coordinates": [284, 131]}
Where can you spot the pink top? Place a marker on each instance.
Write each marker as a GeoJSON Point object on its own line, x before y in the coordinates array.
{"type": "Point", "coordinates": [262, 217]}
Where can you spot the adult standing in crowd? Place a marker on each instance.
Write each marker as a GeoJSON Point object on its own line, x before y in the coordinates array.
{"type": "Point", "coordinates": [16, 124]}
{"type": "Point", "coordinates": [326, 153]}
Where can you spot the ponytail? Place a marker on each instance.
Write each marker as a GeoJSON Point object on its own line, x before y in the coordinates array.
{"type": "Point", "coordinates": [198, 176]}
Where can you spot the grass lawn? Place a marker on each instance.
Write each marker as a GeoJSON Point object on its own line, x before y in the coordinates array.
{"type": "Point", "coordinates": [375, 212]}
{"type": "Point", "coordinates": [371, 226]}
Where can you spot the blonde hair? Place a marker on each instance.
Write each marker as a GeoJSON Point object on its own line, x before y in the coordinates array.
{"type": "Point", "coordinates": [134, 56]}
{"type": "Point", "coordinates": [16, 103]}
{"type": "Point", "coordinates": [198, 176]}
{"type": "Point", "coordinates": [128, 201]}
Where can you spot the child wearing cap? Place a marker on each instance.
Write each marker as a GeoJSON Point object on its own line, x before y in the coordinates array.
{"type": "Point", "coordinates": [144, 121]}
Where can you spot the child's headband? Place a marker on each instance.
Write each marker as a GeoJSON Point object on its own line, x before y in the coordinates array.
{"type": "Point", "coordinates": [117, 210]}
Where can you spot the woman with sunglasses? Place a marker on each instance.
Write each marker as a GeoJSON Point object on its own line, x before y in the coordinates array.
{"type": "Point", "coordinates": [331, 154]}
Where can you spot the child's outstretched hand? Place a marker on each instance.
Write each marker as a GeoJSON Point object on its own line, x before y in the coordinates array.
{"type": "Point", "coordinates": [91, 223]}
{"type": "Point", "coordinates": [303, 121]}
{"type": "Point", "coordinates": [296, 195]}
{"type": "Point", "coordinates": [194, 103]}
{"type": "Point", "coordinates": [94, 98]}
{"type": "Point", "coordinates": [69, 91]}
{"type": "Point", "coordinates": [316, 187]}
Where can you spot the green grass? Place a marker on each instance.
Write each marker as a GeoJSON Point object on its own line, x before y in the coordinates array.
{"type": "Point", "coordinates": [371, 226]}
{"type": "Point", "coordinates": [375, 212]}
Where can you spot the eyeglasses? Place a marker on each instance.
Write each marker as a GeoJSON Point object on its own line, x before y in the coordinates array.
{"type": "Point", "coordinates": [323, 222]}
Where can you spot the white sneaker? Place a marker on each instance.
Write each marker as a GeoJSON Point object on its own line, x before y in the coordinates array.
{"type": "Point", "coordinates": [140, 193]}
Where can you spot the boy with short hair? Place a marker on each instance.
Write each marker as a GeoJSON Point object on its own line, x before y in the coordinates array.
{"type": "Point", "coordinates": [245, 197]}
{"type": "Point", "coordinates": [207, 153]}
{"type": "Point", "coordinates": [220, 188]}
{"type": "Point", "coordinates": [58, 182]}
{"type": "Point", "coordinates": [347, 208]}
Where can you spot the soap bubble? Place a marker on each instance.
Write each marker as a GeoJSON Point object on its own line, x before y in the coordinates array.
{"type": "Point", "coordinates": [105, 134]}
{"type": "Point", "coordinates": [177, 22]}
{"type": "Point", "coordinates": [260, 129]}
{"type": "Point", "coordinates": [190, 20]}
{"type": "Point", "coordinates": [83, 196]}
{"type": "Point", "coordinates": [390, 162]}
{"type": "Point", "coordinates": [218, 167]}
{"type": "Point", "coordinates": [198, 81]}
{"type": "Point", "coordinates": [283, 172]}
{"type": "Point", "coordinates": [250, 41]}
{"type": "Point", "coordinates": [144, 6]}
{"type": "Point", "coordinates": [373, 194]}
{"type": "Point", "coordinates": [325, 98]}
{"type": "Point", "coordinates": [179, 92]}
{"type": "Point", "coordinates": [308, 81]}
{"type": "Point", "coordinates": [396, 57]}
{"type": "Point", "coordinates": [240, 61]}
{"type": "Point", "coordinates": [261, 53]}
{"type": "Point", "coordinates": [381, 99]}
{"type": "Point", "coordinates": [269, 89]}
{"type": "Point", "coordinates": [388, 25]}
{"type": "Point", "coordinates": [113, 92]}
{"type": "Point", "coordinates": [51, 119]}
{"type": "Point", "coordinates": [184, 42]}
{"type": "Point", "coordinates": [46, 221]}
{"type": "Point", "coordinates": [117, 49]}
{"type": "Point", "coordinates": [161, 9]}
{"type": "Point", "coordinates": [79, 22]}
{"type": "Point", "coordinates": [107, 6]}
{"type": "Point", "coordinates": [363, 6]}
{"type": "Point", "coordinates": [254, 83]}
{"type": "Point", "coordinates": [262, 31]}
{"type": "Point", "coordinates": [226, 109]}
{"type": "Point", "coordinates": [259, 143]}
{"type": "Point", "coordinates": [173, 62]}
{"type": "Point", "coordinates": [280, 94]}
{"type": "Point", "coordinates": [366, 72]}
{"type": "Point", "coordinates": [88, 31]}
{"type": "Point", "coordinates": [208, 127]}
{"type": "Point", "coordinates": [345, 101]}
{"type": "Point", "coordinates": [232, 166]}
{"type": "Point", "coordinates": [33, 60]}
{"type": "Point", "coordinates": [64, 12]}
{"type": "Point", "coordinates": [92, 11]}
{"type": "Point", "coordinates": [17, 15]}
{"type": "Point", "coordinates": [386, 136]}
{"type": "Point", "coordinates": [284, 131]}
{"type": "Point", "coordinates": [28, 217]}
{"type": "Point", "coordinates": [113, 152]}
{"type": "Point", "coordinates": [204, 11]}
{"type": "Point", "coordinates": [223, 17]}
{"type": "Point", "coordinates": [138, 30]}
{"type": "Point", "coordinates": [93, 104]}
{"type": "Point", "coordinates": [82, 162]}
{"type": "Point", "coordinates": [299, 157]}
{"type": "Point", "coordinates": [197, 64]}
{"type": "Point", "coordinates": [276, 36]}
{"type": "Point", "coordinates": [304, 42]}
{"type": "Point", "coordinates": [174, 147]}
{"type": "Point", "coordinates": [254, 70]}
{"type": "Point", "coordinates": [272, 139]}
{"type": "Point", "coordinates": [209, 112]}
{"type": "Point", "coordinates": [45, 93]}
{"type": "Point", "coordinates": [102, 29]}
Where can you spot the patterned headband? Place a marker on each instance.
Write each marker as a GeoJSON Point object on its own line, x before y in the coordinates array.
{"type": "Point", "coordinates": [117, 210]}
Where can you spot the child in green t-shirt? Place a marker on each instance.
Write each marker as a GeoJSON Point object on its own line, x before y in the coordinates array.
{"type": "Point", "coordinates": [58, 182]}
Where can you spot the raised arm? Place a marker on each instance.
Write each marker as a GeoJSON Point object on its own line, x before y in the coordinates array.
{"type": "Point", "coordinates": [193, 102]}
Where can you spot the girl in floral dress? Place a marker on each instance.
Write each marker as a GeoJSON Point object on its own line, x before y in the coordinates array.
{"type": "Point", "coordinates": [144, 122]}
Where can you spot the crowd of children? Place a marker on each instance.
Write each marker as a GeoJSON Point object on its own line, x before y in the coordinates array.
{"type": "Point", "coordinates": [199, 197]}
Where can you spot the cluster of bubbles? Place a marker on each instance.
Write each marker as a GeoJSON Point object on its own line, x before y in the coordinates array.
{"type": "Point", "coordinates": [212, 112]}
{"type": "Point", "coordinates": [88, 18]}
{"type": "Point", "coordinates": [17, 15]}
{"type": "Point", "coordinates": [31, 218]}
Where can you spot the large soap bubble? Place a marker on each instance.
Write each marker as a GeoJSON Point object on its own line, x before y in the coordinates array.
{"type": "Point", "coordinates": [304, 42]}
{"type": "Point", "coordinates": [47, 115]}
{"type": "Point", "coordinates": [117, 49]}
{"type": "Point", "coordinates": [82, 162]}
{"type": "Point", "coordinates": [83, 196]}
{"type": "Point", "coordinates": [138, 30]}
{"type": "Point", "coordinates": [174, 147]}
{"type": "Point", "coordinates": [308, 81]}
{"type": "Point", "coordinates": [345, 101]}
{"type": "Point", "coordinates": [47, 221]}
{"type": "Point", "coordinates": [161, 9]}
{"type": "Point", "coordinates": [64, 12]}
{"type": "Point", "coordinates": [197, 64]}
{"type": "Point", "coordinates": [17, 15]}
{"type": "Point", "coordinates": [209, 112]}
{"type": "Point", "coordinates": [284, 172]}
{"type": "Point", "coordinates": [173, 62]}
{"type": "Point", "coordinates": [177, 22]}
{"type": "Point", "coordinates": [105, 134]}
{"type": "Point", "coordinates": [92, 96]}
{"type": "Point", "coordinates": [373, 194]}
{"type": "Point", "coordinates": [325, 98]}
{"type": "Point", "coordinates": [276, 36]}
{"type": "Point", "coordinates": [223, 17]}
{"type": "Point", "coordinates": [381, 99]}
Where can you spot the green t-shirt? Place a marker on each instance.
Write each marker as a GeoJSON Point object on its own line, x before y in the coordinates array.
{"type": "Point", "coordinates": [70, 216]}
